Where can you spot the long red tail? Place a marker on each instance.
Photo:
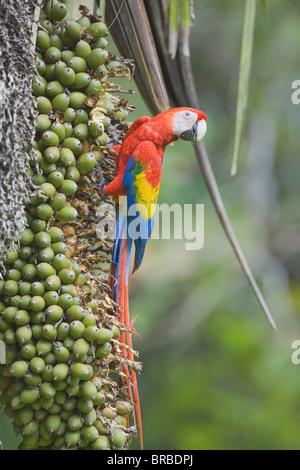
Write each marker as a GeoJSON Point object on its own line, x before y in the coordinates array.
{"type": "Point", "coordinates": [126, 337]}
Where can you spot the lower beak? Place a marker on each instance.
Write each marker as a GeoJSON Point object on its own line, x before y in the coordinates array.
{"type": "Point", "coordinates": [196, 133]}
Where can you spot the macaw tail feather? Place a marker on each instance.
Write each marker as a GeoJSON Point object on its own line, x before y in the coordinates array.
{"type": "Point", "coordinates": [139, 255]}
{"type": "Point", "coordinates": [121, 262]}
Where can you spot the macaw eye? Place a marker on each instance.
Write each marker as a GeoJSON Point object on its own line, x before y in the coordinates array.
{"type": "Point", "coordinates": [187, 114]}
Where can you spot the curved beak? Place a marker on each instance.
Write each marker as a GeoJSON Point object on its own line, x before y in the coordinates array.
{"type": "Point", "coordinates": [196, 133]}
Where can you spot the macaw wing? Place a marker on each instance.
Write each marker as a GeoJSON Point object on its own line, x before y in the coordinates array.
{"type": "Point", "coordinates": [137, 124]}
{"type": "Point", "coordinates": [142, 192]}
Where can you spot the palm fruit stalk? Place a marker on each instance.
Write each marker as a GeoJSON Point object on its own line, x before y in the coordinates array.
{"type": "Point", "coordinates": [63, 384]}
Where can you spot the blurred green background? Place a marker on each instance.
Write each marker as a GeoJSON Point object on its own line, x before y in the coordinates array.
{"type": "Point", "coordinates": [214, 374]}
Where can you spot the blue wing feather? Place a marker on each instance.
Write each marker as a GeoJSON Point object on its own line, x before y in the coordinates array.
{"type": "Point", "coordinates": [143, 227]}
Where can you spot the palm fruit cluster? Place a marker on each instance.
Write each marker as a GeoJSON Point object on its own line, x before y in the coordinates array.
{"type": "Point", "coordinates": [63, 384]}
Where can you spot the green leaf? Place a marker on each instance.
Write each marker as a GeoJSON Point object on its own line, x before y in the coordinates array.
{"type": "Point", "coordinates": [186, 13]}
{"type": "Point", "coordinates": [173, 27]}
{"type": "Point", "coordinates": [244, 78]}
{"type": "Point", "coordinates": [174, 14]}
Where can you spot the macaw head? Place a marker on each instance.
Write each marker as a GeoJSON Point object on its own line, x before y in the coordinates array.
{"type": "Point", "coordinates": [189, 124]}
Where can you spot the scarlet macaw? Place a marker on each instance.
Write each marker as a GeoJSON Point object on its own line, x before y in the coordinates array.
{"type": "Point", "coordinates": [138, 177]}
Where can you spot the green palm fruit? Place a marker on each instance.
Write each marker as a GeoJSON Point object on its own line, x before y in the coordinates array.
{"type": "Point", "coordinates": [85, 21]}
{"type": "Point", "coordinates": [39, 86]}
{"type": "Point", "coordinates": [43, 123]}
{"type": "Point", "coordinates": [49, 73]}
{"type": "Point", "coordinates": [97, 30]}
{"type": "Point", "coordinates": [67, 158]}
{"type": "Point", "coordinates": [69, 129]}
{"type": "Point", "coordinates": [81, 132]}
{"type": "Point", "coordinates": [82, 117]}
{"type": "Point", "coordinates": [52, 316]}
{"type": "Point", "coordinates": [97, 57]}
{"type": "Point", "coordinates": [89, 390]}
{"type": "Point", "coordinates": [77, 100]}
{"type": "Point", "coordinates": [82, 49]}
{"type": "Point", "coordinates": [22, 317]}
{"type": "Point", "coordinates": [60, 372]}
{"type": "Point", "coordinates": [102, 43]}
{"type": "Point", "coordinates": [29, 396]}
{"type": "Point", "coordinates": [104, 336]}
{"type": "Point", "coordinates": [96, 129]}
{"type": "Point", "coordinates": [67, 276]}
{"type": "Point", "coordinates": [52, 423]}
{"type": "Point", "coordinates": [86, 163]}
{"type": "Point", "coordinates": [61, 354]}
{"type": "Point", "coordinates": [80, 349]}
{"type": "Point", "coordinates": [48, 375]}
{"type": "Point", "coordinates": [78, 64]}
{"type": "Point", "coordinates": [27, 237]}
{"type": "Point", "coordinates": [76, 329]}
{"type": "Point", "coordinates": [45, 255]}
{"type": "Point", "coordinates": [50, 139]}
{"type": "Point", "coordinates": [102, 443]}
{"type": "Point", "coordinates": [102, 140]}
{"type": "Point", "coordinates": [51, 298]}
{"type": "Point", "coordinates": [54, 88]}
{"type": "Point", "coordinates": [37, 365]}
{"type": "Point", "coordinates": [75, 423]}
{"type": "Point", "coordinates": [49, 5]}
{"type": "Point", "coordinates": [73, 174]}
{"type": "Point", "coordinates": [13, 274]}
{"type": "Point", "coordinates": [103, 350]}
{"type": "Point", "coordinates": [25, 415]}
{"type": "Point", "coordinates": [67, 55]}
{"type": "Point", "coordinates": [56, 41]}
{"type": "Point", "coordinates": [118, 438]}
{"type": "Point", "coordinates": [91, 417]}
{"type": "Point", "coordinates": [18, 369]}
{"type": "Point", "coordinates": [56, 178]}
{"type": "Point", "coordinates": [58, 12]}
{"type": "Point", "coordinates": [28, 351]}
{"type": "Point", "coordinates": [91, 333]}
{"type": "Point", "coordinates": [47, 25]}
{"type": "Point", "coordinates": [54, 313]}
{"type": "Point", "coordinates": [82, 80]}
{"type": "Point", "coordinates": [67, 214]}
{"type": "Point", "coordinates": [47, 190]}
{"type": "Point", "coordinates": [56, 127]}
{"type": "Point", "coordinates": [90, 433]}
{"type": "Point", "coordinates": [10, 288]}
{"type": "Point", "coordinates": [61, 103]}
{"type": "Point", "coordinates": [74, 30]}
{"type": "Point", "coordinates": [52, 55]}
{"type": "Point", "coordinates": [40, 66]}
{"type": "Point", "coordinates": [73, 144]}
{"type": "Point", "coordinates": [23, 334]}
{"type": "Point", "coordinates": [65, 74]}
{"type": "Point", "coordinates": [49, 332]}
{"type": "Point", "coordinates": [68, 187]}
{"type": "Point", "coordinates": [69, 115]}
{"type": "Point", "coordinates": [43, 41]}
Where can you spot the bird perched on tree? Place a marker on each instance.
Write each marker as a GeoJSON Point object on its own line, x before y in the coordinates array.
{"type": "Point", "coordinates": [155, 33]}
{"type": "Point", "coordinates": [138, 177]}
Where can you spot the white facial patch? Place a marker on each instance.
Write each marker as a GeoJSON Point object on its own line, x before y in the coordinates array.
{"type": "Point", "coordinates": [201, 129]}
{"type": "Point", "coordinates": [184, 120]}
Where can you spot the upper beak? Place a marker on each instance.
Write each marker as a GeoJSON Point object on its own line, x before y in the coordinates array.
{"type": "Point", "coordinates": [196, 133]}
